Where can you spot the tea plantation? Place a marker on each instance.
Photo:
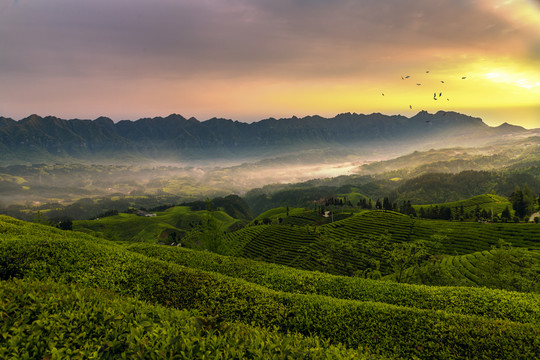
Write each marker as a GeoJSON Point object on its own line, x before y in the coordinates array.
{"type": "Point", "coordinates": [70, 295]}
{"type": "Point", "coordinates": [352, 245]}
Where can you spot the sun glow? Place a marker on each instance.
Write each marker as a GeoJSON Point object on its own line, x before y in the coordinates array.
{"type": "Point", "coordinates": [513, 79]}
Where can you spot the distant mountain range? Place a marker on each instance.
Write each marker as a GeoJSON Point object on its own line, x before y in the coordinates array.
{"type": "Point", "coordinates": [45, 139]}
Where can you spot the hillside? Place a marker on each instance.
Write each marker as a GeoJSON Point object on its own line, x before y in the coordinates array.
{"type": "Point", "coordinates": [492, 204]}
{"type": "Point", "coordinates": [503, 267]}
{"type": "Point", "coordinates": [356, 245]}
{"type": "Point", "coordinates": [50, 139]}
{"type": "Point", "coordinates": [168, 226]}
{"type": "Point", "coordinates": [505, 153]}
{"type": "Point", "coordinates": [70, 264]}
{"type": "Point", "coordinates": [430, 188]}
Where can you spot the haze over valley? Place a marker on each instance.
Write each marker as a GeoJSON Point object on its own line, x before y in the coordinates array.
{"type": "Point", "coordinates": [53, 160]}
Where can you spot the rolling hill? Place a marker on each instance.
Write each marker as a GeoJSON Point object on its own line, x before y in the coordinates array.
{"type": "Point", "coordinates": [353, 245]}
{"type": "Point", "coordinates": [167, 226]}
{"type": "Point", "coordinates": [89, 283]}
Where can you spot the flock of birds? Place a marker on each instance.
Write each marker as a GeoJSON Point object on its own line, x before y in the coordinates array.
{"type": "Point", "coordinates": [435, 97]}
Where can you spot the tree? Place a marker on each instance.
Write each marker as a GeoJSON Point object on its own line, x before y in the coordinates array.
{"type": "Point", "coordinates": [505, 215]}
{"type": "Point", "coordinates": [65, 224]}
{"type": "Point", "coordinates": [387, 205]}
{"type": "Point", "coordinates": [522, 201]}
{"type": "Point", "coordinates": [445, 213]}
{"type": "Point", "coordinates": [405, 255]}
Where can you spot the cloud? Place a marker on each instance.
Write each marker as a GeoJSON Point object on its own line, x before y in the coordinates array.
{"type": "Point", "coordinates": [110, 55]}
{"type": "Point", "coordinates": [291, 38]}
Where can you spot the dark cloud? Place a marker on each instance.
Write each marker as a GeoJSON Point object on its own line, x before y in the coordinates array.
{"type": "Point", "coordinates": [183, 38]}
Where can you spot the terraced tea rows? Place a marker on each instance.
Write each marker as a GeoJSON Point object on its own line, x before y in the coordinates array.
{"type": "Point", "coordinates": [73, 322]}
{"type": "Point", "coordinates": [466, 237]}
{"type": "Point", "coordinates": [372, 223]}
{"type": "Point", "coordinates": [343, 241]}
{"type": "Point", "coordinates": [234, 242]}
{"type": "Point", "coordinates": [493, 303]}
{"type": "Point", "coordinates": [378, 328]}
{"type": "Point", "coordinates": [516, 269]}
{"type": "Point", "coordinates": [279, 244]}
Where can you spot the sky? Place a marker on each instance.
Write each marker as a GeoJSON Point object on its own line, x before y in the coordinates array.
{"type": "Point", "coordinates": [253, 59]}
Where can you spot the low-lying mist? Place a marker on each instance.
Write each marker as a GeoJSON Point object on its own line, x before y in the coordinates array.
{"type": "Point", "coordinates": [64, 183]}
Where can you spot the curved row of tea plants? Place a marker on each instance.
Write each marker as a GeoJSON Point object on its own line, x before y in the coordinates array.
{"type": "Point", "coordinates": [48, 320]}
{"type": "Point", "coordinates": [466, 237]}
{"type": "Point", "coordinates": [474, 301]}
{"type": "Point", "coordinates": [279, 244]}
{"type": "Point", "coordinates": [398, 226]}
{"type": "Point", "coordinates": [515, 269]}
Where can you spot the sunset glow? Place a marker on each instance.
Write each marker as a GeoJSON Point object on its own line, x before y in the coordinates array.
{"type": "Point", "coordinates": [250, 60]}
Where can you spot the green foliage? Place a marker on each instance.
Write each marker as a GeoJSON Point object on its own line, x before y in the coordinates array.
{"type": "Point", "coordinates": [502, 267]}
{"type": "Point", "coordinates": [233, 205]}
{"type": "Point", "coordinates": [510, 269]}
{"type": "Point", "coordinates": [522, 201]}
{"type": "Point", "coordinates": [178, 220]}
{"type": "Point", "coordinates": [390, 330]}
{"type": "Point", "coordinates": [346, 247]}
{"type": "Point", "coordinates": [472, 207]}
{"type": "Point", "coordinates": [360, 256]}
{"type": "Point", "coordinates": [47, 320]}
{"type": "Point", "coordinates": [489, 303]}
{"type": "Point", "coordinates": [406, 255]}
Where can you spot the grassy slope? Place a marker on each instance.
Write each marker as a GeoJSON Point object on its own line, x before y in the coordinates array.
{"type": "Point", "coordinates": [131, 227]}
{"type": "Point", "coordinates": [279, 212]}
{"type": "Point", "coordinates": [488, 202]}
{"type": "Point", "coordinates": [37, 252]}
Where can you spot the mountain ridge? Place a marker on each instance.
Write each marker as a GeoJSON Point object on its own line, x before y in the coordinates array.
{"type": "Point", "coordinates": [176, 137]}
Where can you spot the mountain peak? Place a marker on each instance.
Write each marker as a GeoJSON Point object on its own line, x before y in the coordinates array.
{"type": "Point", "coordinates": [509, 127]}
{"type": "Point", "coordinates": [104, 120]}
